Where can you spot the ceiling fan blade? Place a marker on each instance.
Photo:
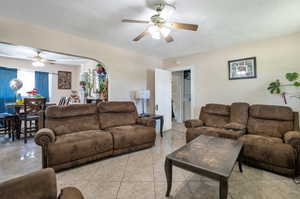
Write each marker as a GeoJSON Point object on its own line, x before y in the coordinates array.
{"type": "Point", "coordinates": [134, 21]}
{"type": "Point", "coordinates": [184, 26]}
{"type": "Point", "coordinates": [140, 36]}
{"type": "Point", "coordinates": [169, 39]}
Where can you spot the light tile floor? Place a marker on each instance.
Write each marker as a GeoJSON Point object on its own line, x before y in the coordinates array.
{"type": "Point", "coordinates": [140, 175]}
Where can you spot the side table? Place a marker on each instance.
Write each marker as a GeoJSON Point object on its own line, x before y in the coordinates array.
{"type": "Point", "coordinates": [156, 117]}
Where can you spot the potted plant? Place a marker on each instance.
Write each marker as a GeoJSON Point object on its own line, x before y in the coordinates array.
{"type": "Point", "coordinates": [277, 87]}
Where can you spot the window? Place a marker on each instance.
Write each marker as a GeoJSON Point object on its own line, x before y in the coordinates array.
{"type": "Point", "coordinates": [28, 80]}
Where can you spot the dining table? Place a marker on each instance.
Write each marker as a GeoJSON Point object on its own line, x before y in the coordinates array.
{"type": "Point", "coordinates": [19, 107]}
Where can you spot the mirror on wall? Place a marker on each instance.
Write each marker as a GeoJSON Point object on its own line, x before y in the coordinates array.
{"type": "Point", "coordinates": [53, 75]}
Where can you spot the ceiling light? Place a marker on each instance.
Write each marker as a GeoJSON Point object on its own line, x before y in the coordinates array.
{"type": "Point", "coordinates": [165, 31]}
{"type": "Point", "coordinates": [38, 64]}
{"type": "Point", "coordinates": [154, 31]}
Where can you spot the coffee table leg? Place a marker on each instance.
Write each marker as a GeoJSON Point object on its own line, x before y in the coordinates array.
{"type": "Point", "coordinates": [240, 166]}
{"type": "Point", "coordinates": [168, 170]}
{"type": "Point", "coordinates": [223, 188]}
{"type": "Point", "coordinates": [161, 126]}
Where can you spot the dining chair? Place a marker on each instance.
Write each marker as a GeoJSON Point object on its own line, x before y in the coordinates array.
{"type": "Point", "coordinates": [64, 101]}
{"type": "Point", "coordinates": [8, 125]}
{"type": "Point", "coordinates": [34, 109]}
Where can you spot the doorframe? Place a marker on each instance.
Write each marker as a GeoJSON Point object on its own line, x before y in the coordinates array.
{"type": "Point", "coordinates": [192, 69]}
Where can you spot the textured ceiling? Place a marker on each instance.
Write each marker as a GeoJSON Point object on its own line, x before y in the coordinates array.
{"type": "Point", "coordinates": [28, 53]}
{"type": "Point", "coordinates": [222, 22]}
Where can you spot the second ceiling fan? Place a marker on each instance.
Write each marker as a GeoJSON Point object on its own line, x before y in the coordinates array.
{"type": "Point", "coordinates": [159, 25]}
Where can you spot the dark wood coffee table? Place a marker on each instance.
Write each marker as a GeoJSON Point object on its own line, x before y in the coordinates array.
{"type": "Point", "coordinates": [212, 157]}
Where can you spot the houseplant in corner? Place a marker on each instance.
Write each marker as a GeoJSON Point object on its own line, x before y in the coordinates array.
{"type": "Point", "coordinates": [277, 87]}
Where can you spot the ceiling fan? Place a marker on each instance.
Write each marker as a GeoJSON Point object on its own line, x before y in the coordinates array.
{"type": "Point", "coordinates": [39, 61]}
{"type": "Point", "coordinates": [159, 25]}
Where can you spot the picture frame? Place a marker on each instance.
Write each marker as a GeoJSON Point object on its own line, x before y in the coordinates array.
{"type": "Point", "coordinates": [242, 68]}
{"type": "Point", "coordinates": [64, 80]}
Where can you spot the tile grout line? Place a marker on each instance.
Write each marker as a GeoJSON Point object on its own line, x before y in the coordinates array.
{"type": "Point", "coordinates": [123, 176]}
{"type": "Point", "coordinates": [154, 189]}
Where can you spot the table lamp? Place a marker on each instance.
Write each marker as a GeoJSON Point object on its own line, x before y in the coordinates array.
{"type": "Point", "coordinates": [143, 95]}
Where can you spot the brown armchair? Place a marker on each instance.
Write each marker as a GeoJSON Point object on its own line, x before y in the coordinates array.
{"type": "Point", "coordinates": [37, 185]}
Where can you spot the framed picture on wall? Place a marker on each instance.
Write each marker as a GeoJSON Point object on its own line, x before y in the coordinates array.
{"type": "Point", "coordinates": [242, 68]}
{"type": "Point", "coordinates": [64, 80]}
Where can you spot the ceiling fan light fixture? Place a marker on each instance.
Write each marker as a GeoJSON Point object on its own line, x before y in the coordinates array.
{"type": "Point", "coordinates": [154, 31]}
{"type": "Point", "coordinates": [38, 64]}
{"type": "Point", "coordinates": [165, 31]}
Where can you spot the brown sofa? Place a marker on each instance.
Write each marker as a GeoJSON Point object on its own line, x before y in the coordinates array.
{"type": "Point", "coordinates": [82, 133]}
{"type": "Point", "coordinates": [37, 185]}
{"type": "Point", "coordinates": [270, 133]}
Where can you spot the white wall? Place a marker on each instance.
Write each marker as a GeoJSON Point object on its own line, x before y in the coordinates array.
{"type": "Point", "coordinates": [128, 71]}
{"type": "Point", "coordinates": [55, 93]}
{"type": "Point", "coordinates": [275, 57]}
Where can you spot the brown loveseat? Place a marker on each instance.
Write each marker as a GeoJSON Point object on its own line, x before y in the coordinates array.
{"type": "Point", "coordinates": [270, 133]}
{"type": "Point", "coordinates": [82, 133]}
{"type": "Point", "coordinates": [37, 185]}
{"type": "Point", "coordinates": [215, 117]}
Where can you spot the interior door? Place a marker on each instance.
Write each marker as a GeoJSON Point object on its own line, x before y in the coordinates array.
{"type": "Point", "coordinates": [163, 93]}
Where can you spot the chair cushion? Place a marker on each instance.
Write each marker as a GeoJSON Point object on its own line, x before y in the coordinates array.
{"type": "Point", "coordinates": [269, 150]}
{"type": "Point", "coordinates": [192, 133]}
{"type": "Point", "coordinates": [79, 145]}
{"type": "Point", "coordinates": [131, 135]}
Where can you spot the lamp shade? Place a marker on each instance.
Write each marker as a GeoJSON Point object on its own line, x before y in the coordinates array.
{"type": "Point", "coordinates": [142, 94]}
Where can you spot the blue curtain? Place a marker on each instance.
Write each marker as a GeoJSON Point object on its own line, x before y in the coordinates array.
{"type": "Point", "coordinates": [6, 93]}
{"type": "Point", "coordinates": [42, 83]}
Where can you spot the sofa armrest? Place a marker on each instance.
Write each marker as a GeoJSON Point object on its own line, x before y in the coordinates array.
{"type": "Point", "coordinates": [193, 123]}
{"type": "Point", "coordinates": [70, 193]}
{"type": "Point", "coordinates": [235, 126]}
{"type": "Point", "coordinates": [293, 138]}
{"type": "Point", "coordinates": [39, 184]}
{"type": "Point", "coordinates": [44, 136]}
{"type": "Point", "coordinates": [145, 121]}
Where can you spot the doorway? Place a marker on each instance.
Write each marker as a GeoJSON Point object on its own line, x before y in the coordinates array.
{"type": "Point", "coordinates": [181, 95]}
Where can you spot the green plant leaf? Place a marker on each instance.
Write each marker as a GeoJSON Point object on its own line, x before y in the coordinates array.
{"type": "Point", "coordinates": [275, 87]}
{"type": "Point", "coordinates": [292, 76]}
{"type": "Point", "coordinates": [297, 84]}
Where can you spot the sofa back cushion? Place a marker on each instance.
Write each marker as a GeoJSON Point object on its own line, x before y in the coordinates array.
{"type": "Point", "coordinates": [270, 120]}
{"type": "Point", "coordinates": [239, 113]}
{"type": "Point", "coordinates": [74, 118]}
{"type": "Point", "coordinates": [117, 114]}
{"type": "Point", "coordinates": [215, 115]}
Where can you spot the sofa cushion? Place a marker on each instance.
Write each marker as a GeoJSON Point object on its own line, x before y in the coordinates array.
{"type": "Point", "coordinates": [131, 136]}
{"type": "Point", "coordinates": [218, 121]}
{"type": "Point", "coordinates": [271, 112]}
{"type": "Point", "coordinates": [217, 109]}
{"type": "Point", "coordinates": [192, 133]}
{"type": "Point", "coordinates": [235, 126]}
{"type": "Point", "coordinates": [113, 114]}
{"type": "Point", "coordinates": [61, 126]}
{"type": "Point", "coordinates": [56, 112]}
{"type": "Point", "coordinates": [79, 145]}
{"type": "Point", "coordinates": [273, 128]}
{"type": "Point", "coordinates": [269, 150]}
{"type": "Point", "coordinates": [239, 113]}
{"type": "Point", "coordinates": [116, 107]}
